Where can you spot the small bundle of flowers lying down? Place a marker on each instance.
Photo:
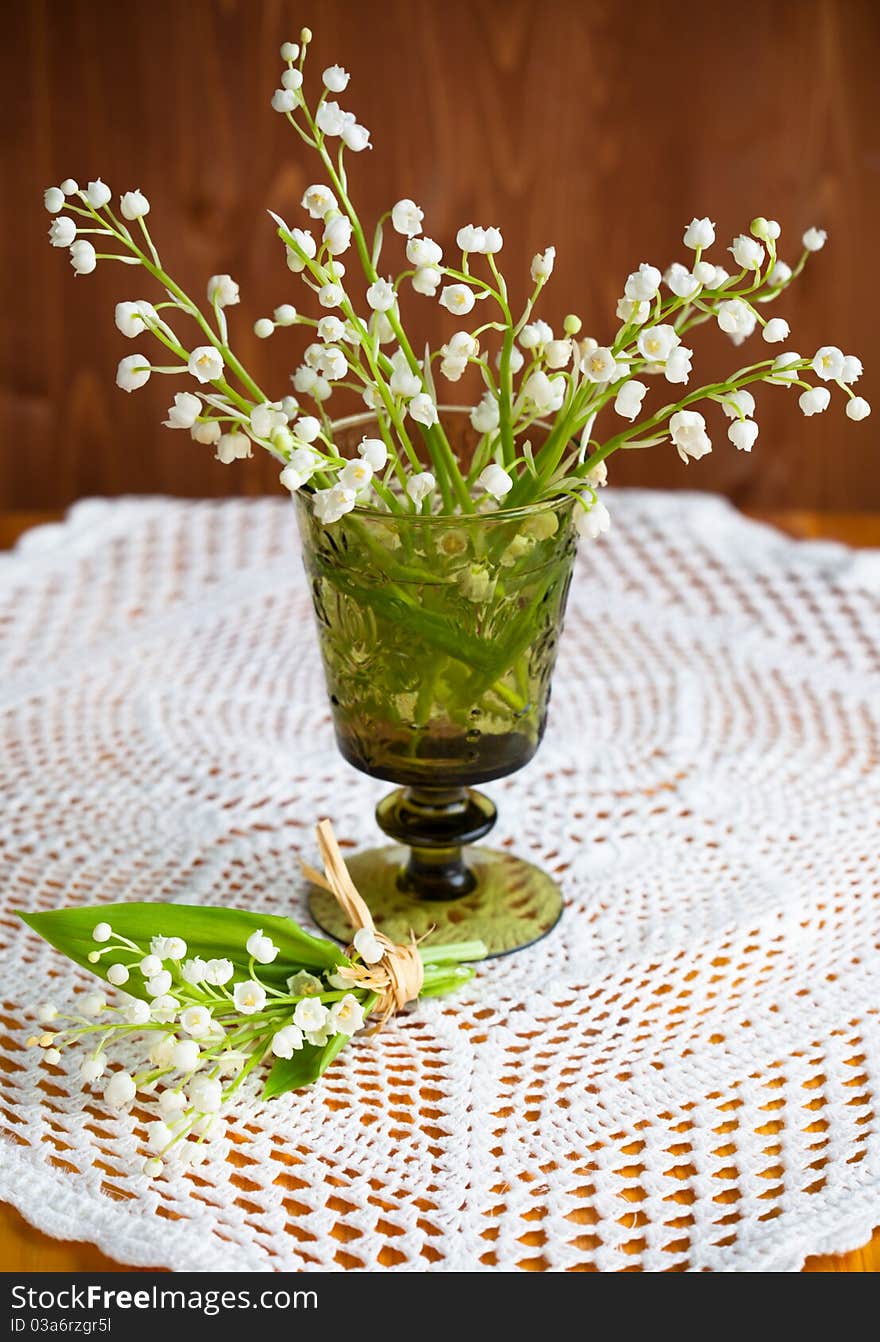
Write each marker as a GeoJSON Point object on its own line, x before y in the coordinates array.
{"type": "Point", "coordinates": [214, 994]}
{"type": "Point", "coordinates": [540, 435]}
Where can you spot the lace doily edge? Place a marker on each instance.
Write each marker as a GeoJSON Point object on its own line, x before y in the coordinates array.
{"type": "Point", "coordinates": [852, 1233]}
{"type": "Point", "coordinates": [31, 1196]}
{"type": "Point", "coordinates": [48, 540]}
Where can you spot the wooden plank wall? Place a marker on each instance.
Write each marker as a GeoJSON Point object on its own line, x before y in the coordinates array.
{"type": "Point", "coordinates": [598, 126]}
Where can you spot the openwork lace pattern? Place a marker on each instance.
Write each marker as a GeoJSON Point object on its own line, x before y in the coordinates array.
{"type": "Point", "coordinates": [684, 1075]}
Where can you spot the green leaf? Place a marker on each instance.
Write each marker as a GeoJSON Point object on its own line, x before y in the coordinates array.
{"type": "Point", "coordinates": [307, 1064]}
{"type": "Point", "coordinates": [212, 933]}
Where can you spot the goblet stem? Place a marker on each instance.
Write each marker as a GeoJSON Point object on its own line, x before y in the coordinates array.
{"type": "Point", "coordinates": [435, 823]}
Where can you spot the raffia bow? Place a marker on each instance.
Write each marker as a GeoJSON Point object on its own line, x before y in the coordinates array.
{"type": "Point", "coordinates": [399, 975]}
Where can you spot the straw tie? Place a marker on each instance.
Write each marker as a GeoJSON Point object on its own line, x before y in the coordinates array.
{"type": "Point", "coordinates": [399, 975]}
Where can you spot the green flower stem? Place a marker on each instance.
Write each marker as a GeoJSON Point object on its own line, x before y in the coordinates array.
{"type": "Point", "coordinates": [393, 456]}
{"type": "Point", "coordinates": [744, 378]}
{"type": "Point", "coordinates": [527, 310]}
{"type": "Point", "coordinates": [442, 455]}
{"type": "Point", "coordinates": [384, 390]}
{"type": "Point", "coordinates": [253, 1061]}
{"type": "Point", "coordinates": [553, 450]}
{"type": "Point", "coordinates": [392, 503]}
{"type": "Point", "coordinates": [434, 434]}
{"type": "Point", "coordinates": [557, 465]}
{"type": "Point", "coordinates": [388, 400]}
{"type": "Point", "coordinates": [220, 319]}
{"type": "Point", "coordinates": [509, 650]}
{"type": "Point", "coordinates": [220, 383]}
{"type": "Point", "coordinates": [480, 458]}
{"type": "Point", "coordinates": [682, 306]}
{"type": "Point", "coordinates": [505, 377]}
{"type": "Point", "coordinates": [393, 602]}
{"type": "Point", "coordinates": [474, 282]}
{"type": "Point", "coordinates": [454, 954]}
{"type": "Point", "coordinates": [526, 487]}
{"type": "Point", "coordinates": [508, 697]}
{"type": "Point", "coordinates": [425, 698]}
{"type": "Point", "coordinates": [373, 358]}
{"type": "Point", "coordinates": [530, 487]}
{"type": "Point", "coordinates": [396, 572]}
{"type": "Point", "coordinates": [397, 605]}
{"type": "Point", "coordinates": [149, 241]}
{"type": "Point", "coordinates": [154, 269]}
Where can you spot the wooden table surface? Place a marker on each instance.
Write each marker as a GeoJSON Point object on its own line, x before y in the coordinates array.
{"type": "Point", "coordinates": [23, 1249]}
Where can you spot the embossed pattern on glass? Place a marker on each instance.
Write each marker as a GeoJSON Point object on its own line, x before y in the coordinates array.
{"type": "Point", "coordinates": [439, 637]}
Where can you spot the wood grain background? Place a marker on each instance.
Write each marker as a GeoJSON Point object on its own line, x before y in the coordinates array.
{"type": "Point", "coordinates": [601, 127]}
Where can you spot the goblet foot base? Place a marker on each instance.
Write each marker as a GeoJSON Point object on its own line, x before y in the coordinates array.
{"type": "Point", "coordinates": [513, 904]}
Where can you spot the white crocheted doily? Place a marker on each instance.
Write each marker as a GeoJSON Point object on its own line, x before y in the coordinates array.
{"type": "Point", "coordinates": [684, 1074]}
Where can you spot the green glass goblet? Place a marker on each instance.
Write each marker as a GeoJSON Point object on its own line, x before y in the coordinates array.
{"type": "Point", "coordinates": [439, 637]}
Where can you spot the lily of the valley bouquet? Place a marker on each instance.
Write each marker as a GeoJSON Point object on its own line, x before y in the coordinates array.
{"type": "Point", "coordinates": [203, 997]}
{"type": "Point", "coordinates": [541, 435]}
